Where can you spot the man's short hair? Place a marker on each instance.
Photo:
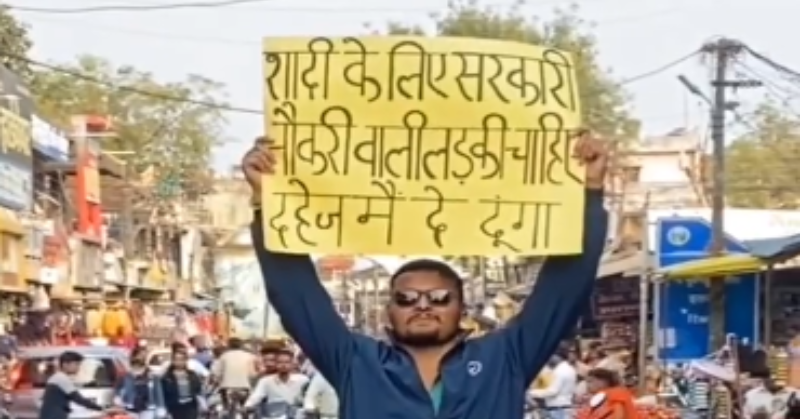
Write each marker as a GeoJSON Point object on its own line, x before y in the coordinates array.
{"type": "Point", "coordinates": [429, 265]}
{"type": "Point", "coordinates": [179, 347]}
{"type": "Point", "coordinates": [69, 357]}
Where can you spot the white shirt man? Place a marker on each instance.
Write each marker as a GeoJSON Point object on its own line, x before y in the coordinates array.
{"type": "Point", "coordinates": [277, 389]}
{"type": "Point", "coordinates": [321, 398]}
{"type": "Point", "coordinates": [559, 393]}
{"type": "Point", "coordinates": [235, 369]}
{"type": "Point", "coordinates": [769, 400]}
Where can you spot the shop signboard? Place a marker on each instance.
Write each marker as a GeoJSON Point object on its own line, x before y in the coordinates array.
{"type": "Point", "coordinates": [16, 160]}
{"type": "Point", "coordinates": [48, 140]}
{"type": "Point", "coordinates": [685, 307]}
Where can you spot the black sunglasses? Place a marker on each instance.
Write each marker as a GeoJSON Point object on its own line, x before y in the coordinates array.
{"type": "Point", "coordinates": [410, 298]}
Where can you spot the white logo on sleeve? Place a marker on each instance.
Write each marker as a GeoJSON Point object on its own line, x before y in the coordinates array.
{"type": "Point", "coordinates": [474, 368]}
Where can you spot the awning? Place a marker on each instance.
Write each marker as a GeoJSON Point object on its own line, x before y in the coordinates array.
{"type": "Point", "coordinates": [720, 266]}
{"type": "Point", "coordinates": [776, 249]}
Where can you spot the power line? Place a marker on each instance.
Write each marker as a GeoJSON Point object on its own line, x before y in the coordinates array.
{"type": "Point", "coordinates": [131, 89]}
{"type": "Point", "coordinates": [135, 8]}
{"type": "Point", "coordinates": [229, 3]}
{"type": "Point", "coordinates": [659, 70]}
{"type": "Point", "coordinates": [772, 63]}
{"type": "Point", "coordinates": [90, 25]}
{"type": "Point", "coordinates": [245, 110]}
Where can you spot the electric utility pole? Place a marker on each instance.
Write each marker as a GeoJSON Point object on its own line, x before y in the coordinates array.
{"type": "Point", "coordinates": [723, 52]}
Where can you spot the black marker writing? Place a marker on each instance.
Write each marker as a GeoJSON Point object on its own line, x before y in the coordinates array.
{"type": "Point", "coordinates": [542, 223]}
{"type": "Point", "coordinates": [300, 213]}
{"type": "Point", "coordinates": [280, 229]}
{"type": "Point", "coordinates": [357, 74]}
{"type": "Point", "coordinates": [437, 228]}
{"type": "Point", "coordinates": [412, 84]}
{"type": "Point", "coordinates": [389, 197]}
{"type": "Point", "coordinates": [327, 220]}
{"type": "Point", "coordinates": [496, 234]}
{"type": "Point", "coordinates": [321, 50]}
{"type": "Point", "coordinates": [556, 60]}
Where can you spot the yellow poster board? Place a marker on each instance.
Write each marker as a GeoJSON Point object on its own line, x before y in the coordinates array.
{"type": "Point", "coordinates": [412, 145]}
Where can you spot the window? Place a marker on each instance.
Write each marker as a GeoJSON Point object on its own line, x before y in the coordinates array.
{"type": "Point", "coordinates": [9, 254]}
{"type": "Point", "coordinates": [93, 372]}
{"type": "Point", "coordinates": [90, 266]}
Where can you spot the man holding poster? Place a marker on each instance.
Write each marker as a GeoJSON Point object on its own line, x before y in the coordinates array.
{"type": "Point", "coordinates": [429, 369]}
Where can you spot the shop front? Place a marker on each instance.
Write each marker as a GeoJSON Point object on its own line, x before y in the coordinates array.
{"type": "Point", "coordinates": [16, 195]}
{"type": "Point", "coordinates": [12, 253]}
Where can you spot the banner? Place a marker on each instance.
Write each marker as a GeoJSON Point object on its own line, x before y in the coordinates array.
{"type": "Point", "coordinates": [16, 160]}
{"type": "Point", "coordinates": [90, 219]}
{"type": "Point", "coordinates": [405, 145]}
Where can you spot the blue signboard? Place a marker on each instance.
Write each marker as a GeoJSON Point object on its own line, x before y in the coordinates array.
{"type": "Point", "coordinates": [685, 307]}
{"type": "Point", "coordinates": [16, 159]}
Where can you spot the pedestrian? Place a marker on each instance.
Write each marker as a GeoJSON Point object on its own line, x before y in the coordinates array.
{"type": "Point", "coordinates": [429, 369]}
{"type": "Point", "coordinates": [140, 390]}
{"type": "Point", "coordinates": [560, 391]}
{"type": "Point", "coordinates": [61, 390]}
{"type": "Point", "coordinates": [182, 388]}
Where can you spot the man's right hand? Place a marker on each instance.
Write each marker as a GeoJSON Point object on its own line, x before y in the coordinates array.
{"type": "Point", "coordinates": [257, 162]}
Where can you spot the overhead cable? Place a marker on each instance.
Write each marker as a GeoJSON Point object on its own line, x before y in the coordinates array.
{"type": "Point", "coordinates": [134, 7]}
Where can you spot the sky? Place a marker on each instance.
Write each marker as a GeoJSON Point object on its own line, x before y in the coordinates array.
{"type": "Point", "coordinates": [223, 43]}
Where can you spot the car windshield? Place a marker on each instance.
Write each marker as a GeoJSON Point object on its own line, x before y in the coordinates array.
{"type": "Point", "coordinates": [93, 373]}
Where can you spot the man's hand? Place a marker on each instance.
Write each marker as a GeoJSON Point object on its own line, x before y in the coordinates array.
{"type": "Point", "coordinates": [257, 162]}
{"type": "Point", "coordinates": [592, 153]}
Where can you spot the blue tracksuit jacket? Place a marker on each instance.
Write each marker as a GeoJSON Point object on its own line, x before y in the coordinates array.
{"type": "Point", "coordinates": [482, 378]}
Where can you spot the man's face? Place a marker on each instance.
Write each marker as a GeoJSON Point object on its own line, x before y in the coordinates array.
{"type": "Point", "coordinates": [425, 309]}
{"type": "Point", "coordinates": [71, 368]}
{"type": "Point", "coordinates": [269, 362]}
{"type": "Point", "coordinates": [179, 360]}
{"type": "Point", "coordinates": [773, 385]}
{"type": "Point", "coordinates": [284, 363]}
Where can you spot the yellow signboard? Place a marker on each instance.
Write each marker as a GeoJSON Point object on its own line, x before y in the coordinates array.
{"type": "Point", "coordinates": [410, 145]}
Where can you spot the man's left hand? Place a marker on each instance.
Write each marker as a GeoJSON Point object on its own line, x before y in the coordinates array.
{"type": "Point", "coordinates": [592, 153]}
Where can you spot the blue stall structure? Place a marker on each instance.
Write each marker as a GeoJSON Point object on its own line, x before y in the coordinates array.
{"type": "Point", "coordinates": [751, 258]}
{"type": "Point", "coordinates": [683, 328]}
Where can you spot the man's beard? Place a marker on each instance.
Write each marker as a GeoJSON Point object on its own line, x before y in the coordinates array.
{"type": "Point", "coordinates": [422, 340]}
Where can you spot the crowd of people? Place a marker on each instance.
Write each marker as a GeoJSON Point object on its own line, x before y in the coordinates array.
{"type": "Point", "coordinates": [428, 367]}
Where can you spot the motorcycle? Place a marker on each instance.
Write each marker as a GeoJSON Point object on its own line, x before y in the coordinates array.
{"type": "Point", "coordinates": [280, 410]}
{"type": "Point", "coordinates": [235, 404]}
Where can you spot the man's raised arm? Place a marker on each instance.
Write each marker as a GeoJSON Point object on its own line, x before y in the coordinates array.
{"type": "Point", "coordinates": [306, 310]}
{"type": "Point", "coordinates": [564, 286]}
{"type": "Point", "coordinates": [559, 296]}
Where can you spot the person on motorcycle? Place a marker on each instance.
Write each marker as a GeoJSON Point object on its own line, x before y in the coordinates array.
{"type": "Point", "coordinates": [268, 360]}
{"type": "Point", "coordinates": [234, 371]}
{"type": "Point", "coordinates": [282, 391]}
{"type": "Point", "coordinates": [320, 400]}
